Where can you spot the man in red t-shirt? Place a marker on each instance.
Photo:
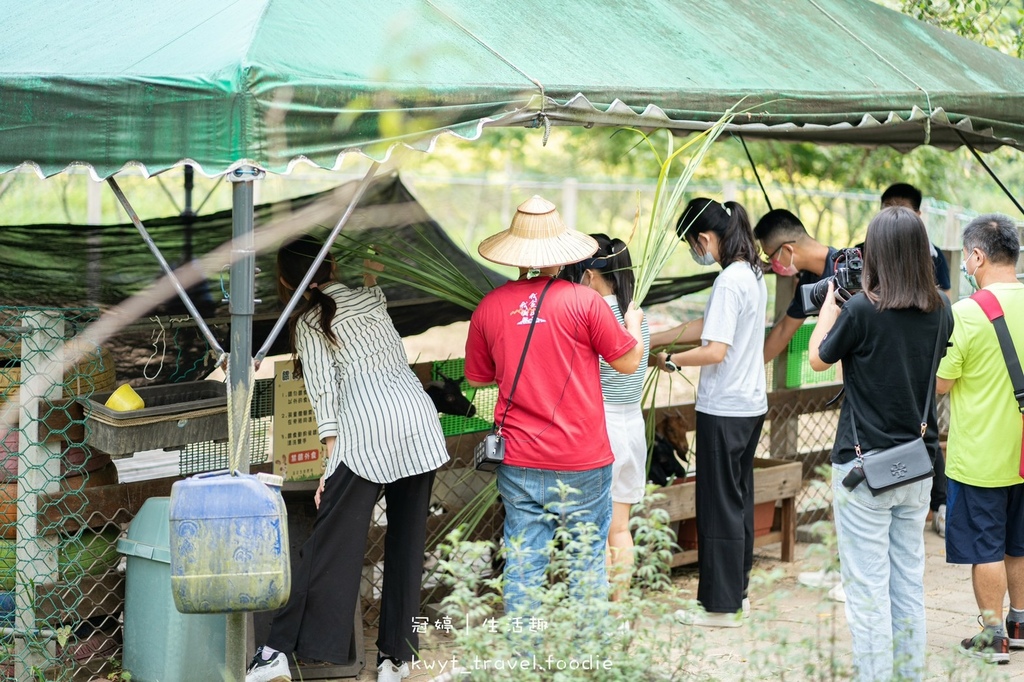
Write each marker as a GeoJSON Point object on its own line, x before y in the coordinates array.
{"type": "Point", "coordinates": [554, 429]}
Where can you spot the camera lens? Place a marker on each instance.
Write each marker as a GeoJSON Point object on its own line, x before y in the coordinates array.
{"type": "Point", "coordinates": [819, 292]}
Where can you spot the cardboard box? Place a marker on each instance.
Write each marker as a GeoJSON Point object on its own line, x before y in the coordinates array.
{"type": "Point", "coordinates": [298, 453]}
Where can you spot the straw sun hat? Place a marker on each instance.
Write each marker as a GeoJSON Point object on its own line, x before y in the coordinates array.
{"type": "Point", "coordinates": [537, 238]}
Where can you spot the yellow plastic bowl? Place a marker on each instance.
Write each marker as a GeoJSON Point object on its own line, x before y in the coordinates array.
{"type": "Point", "coordinates": [125, 399]}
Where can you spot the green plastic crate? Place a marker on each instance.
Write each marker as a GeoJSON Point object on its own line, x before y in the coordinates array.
{"type": "Point", "coordinates": [798, 368]}
{"type": "Point", "coordinates": [484, 399]}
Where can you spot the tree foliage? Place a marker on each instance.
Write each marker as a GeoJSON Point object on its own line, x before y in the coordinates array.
{"type": "Point", "coordinates": [996, 23]}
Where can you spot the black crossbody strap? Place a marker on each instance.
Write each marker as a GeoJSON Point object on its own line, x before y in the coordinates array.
{"type": "Point", "coordinates": [936, 356]}
{"type": "Point", "coordinates": [522, 358]}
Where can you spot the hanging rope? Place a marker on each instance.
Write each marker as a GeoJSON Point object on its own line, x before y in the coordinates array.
{"type": "Point", "coordinates": [238, 420]}
{"type": "Point", "coordinates": [990, 171]}
{"type": "Point", "coordinates": [158, 338]}
{"type": "Point", "coordinates": [542, 117]}
{"type": "Point", "coordinates": [753, 166]}
{"type": "Point", "coordinates": [884, 60]}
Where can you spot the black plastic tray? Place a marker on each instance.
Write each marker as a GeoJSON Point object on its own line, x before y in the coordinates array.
{"type": "Point", "coordinates": [167, 400]}
{"type": "Point", "coordinates": [165, 406]}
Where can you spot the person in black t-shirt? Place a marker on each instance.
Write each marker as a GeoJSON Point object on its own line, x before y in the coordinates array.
{"type": "Point", "coordinates": [791, 251]}
{"type": "Point", "coordinates": [902, 194]}
{"type": "Point", "coordinates": [885, 336]}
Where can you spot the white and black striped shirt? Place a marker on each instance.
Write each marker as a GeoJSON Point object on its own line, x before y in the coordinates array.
{"type": "Point", "coordinates": [363, 391]}
{"type": "Point", "coordinates": [622, 389]}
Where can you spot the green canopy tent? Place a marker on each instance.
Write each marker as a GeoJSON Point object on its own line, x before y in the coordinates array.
{"type": "Point", "coordinates": [246, 87]}
{"type": "Point", "coordinates": [271, 83]}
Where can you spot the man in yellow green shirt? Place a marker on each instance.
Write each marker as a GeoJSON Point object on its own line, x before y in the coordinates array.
{"type": "Point", "coordinates": [985, 497]}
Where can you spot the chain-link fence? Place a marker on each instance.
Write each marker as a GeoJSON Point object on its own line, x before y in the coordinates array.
{"type": "Point", "coordinates": [61, 593]}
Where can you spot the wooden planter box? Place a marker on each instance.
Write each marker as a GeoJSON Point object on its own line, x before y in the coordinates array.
{"type": "Point", "coordinates": [774, 481]}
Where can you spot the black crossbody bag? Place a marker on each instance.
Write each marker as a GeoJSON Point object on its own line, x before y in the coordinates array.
{"type": "Point", "coordinates": [490, 452]}
{"type": "Point", "coordinates": [885, 469]}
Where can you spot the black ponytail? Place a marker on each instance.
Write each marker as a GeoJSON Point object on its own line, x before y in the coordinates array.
{"type": "Point", "coordinates": [293, 262]}
{"type": "Point", "coordinates": [613, 264]}
{"type": "Point", "coordinates": [738, 243]}
{"type": "Point", "coordinates": [729, 222]}
{"type": "Point", "coordinates": [622, 275]}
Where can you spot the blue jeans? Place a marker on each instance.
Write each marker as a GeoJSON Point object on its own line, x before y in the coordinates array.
{"type": "Point", "coordinates": [881, 552]}
{"type": "Point", "coordinates": [530, 523]}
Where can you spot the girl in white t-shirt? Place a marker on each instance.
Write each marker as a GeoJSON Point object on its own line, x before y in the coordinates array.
{"type": "Point", "coordinates": [731, 403]}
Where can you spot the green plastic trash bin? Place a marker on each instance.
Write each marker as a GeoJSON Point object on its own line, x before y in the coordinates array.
{"type": "Point", "coordinates": [160, 644]}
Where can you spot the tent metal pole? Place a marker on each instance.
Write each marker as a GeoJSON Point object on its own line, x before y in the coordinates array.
{"type": "Point", "coordinates": [240, 368]}
{"type": "Point", "coordinates": [165, 266]}
{"type": "Point", "coordinates": [304, 284]}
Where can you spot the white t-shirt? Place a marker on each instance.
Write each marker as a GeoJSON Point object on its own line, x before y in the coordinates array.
{"type": "Point", "coordinates": [735, 316]}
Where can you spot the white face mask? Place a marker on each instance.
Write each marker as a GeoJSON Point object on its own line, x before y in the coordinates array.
{"type": "Point", "coordinates": [702, 258]}
{"type": "Point", "coordinates": [970, 277]}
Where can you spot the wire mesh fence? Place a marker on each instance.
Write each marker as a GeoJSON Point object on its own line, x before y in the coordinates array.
{"type": "Point", "coordinates": [61, 593]}
{"type": "Point", "coordinates": [213, 455]}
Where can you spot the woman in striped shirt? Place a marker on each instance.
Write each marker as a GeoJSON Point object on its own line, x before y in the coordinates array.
{"type": "Point", "coordinates": [609, 272]}
{"type": "Point", "coordinates": [381, 431]}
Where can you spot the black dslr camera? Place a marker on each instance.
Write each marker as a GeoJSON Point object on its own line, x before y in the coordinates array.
{"type": "Point", "coordinates": [848, 266]}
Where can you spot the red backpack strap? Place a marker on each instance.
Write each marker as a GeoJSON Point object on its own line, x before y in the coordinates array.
{"type": "Point", "coordinates": [989, 304]}
{"type": "Point", "coordinates": [994, 312]}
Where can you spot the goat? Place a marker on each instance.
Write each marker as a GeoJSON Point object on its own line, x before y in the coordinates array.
{"type": "Point", "coordinates": [665, 463]}
{"type": "Point", "coordinates": [447, 396]}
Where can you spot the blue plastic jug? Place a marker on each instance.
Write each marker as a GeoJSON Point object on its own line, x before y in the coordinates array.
{"type": "Point", "coordinates": [229, 543]}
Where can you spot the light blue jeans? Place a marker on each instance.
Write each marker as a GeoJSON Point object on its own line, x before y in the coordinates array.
{"type": "Point", "coordinates": [530, 523]}
{"type": "Point", "coordinates": [881, 552]}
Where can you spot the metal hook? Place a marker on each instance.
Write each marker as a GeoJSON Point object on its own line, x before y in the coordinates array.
{"type": "Point", "coordinates": [225, 296]}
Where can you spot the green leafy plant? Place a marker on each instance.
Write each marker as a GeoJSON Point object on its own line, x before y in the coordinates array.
{"type": "Point", "coordinates": [574, 632]}
{"type": "Point", "coordinates": [117, 673]}
{"type": "Point", "coordinates": [425, 268]}
{"type": "Point", "coordinates": [657, 240]}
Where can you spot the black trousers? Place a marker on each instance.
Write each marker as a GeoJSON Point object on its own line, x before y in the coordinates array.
{"type": "Point", "coordinates": [938, 482]}
{"type": "Point", "coordinates": [317, 621]}
{"type": "Point", "coordinates": [725, 508]}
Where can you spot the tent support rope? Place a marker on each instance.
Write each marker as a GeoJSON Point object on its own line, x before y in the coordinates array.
{"type": "Point", "coordinates": [927, 96]}
{"type": "Point", "coordinates": [991, 172]}
{"type": "Point", "coordinates": [543, 96]}
{"type": "Point", "coordinates": [757, 175]}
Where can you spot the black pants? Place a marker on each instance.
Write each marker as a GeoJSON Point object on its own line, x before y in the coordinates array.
{"type": "Point", "coordinates": [938, 482]}
{"type": "Point", "coordinates": [725, 508]}
{"type": "Point", "coordinates": [317, 621]}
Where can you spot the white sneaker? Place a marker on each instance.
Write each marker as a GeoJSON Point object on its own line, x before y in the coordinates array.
{"type": "Point", "coordinates": [822, 578]}
{"type": "Point", "coordinates": [939, 521]}
{"type": "Point", "coordinates": [274, 669]}
{"type": "Point", "coordinates": [387, 671]}
{"type": "Point", "coordinates": [745, 609]}
{"type": "Point", "coordinates": [837, 593]}
{"type": "Point", "coordinates": [706, 619]}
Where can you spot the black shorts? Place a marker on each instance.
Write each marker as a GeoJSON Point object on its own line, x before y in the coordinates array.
{"type": "Point", "coordinates": [983, 524]}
